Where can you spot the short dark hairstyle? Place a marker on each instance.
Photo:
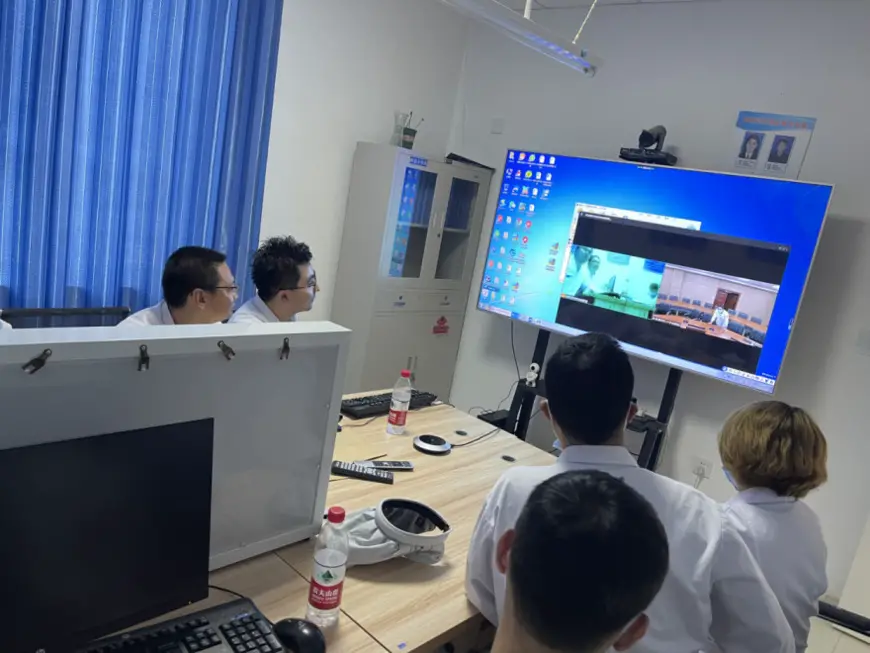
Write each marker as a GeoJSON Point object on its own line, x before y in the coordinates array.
{"type": "Point", "coordinates": [589, 383]}
{"type": "Point", "coordinates": [187, 269]}
{"type": "Point", "coordinates": [276, 265]}
{"type": "Point", "coordinates": [589, 555]}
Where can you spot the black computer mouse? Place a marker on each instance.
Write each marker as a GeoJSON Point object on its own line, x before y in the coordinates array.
{"type": "Point", "coordinates": [300, 636]}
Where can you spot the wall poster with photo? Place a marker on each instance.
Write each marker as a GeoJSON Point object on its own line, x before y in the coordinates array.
{"type": "Point", "coordinates": [770, 144]}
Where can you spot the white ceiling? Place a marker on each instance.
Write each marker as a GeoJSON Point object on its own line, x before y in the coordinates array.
{"type": "Point", "coordinates": [565, 4]}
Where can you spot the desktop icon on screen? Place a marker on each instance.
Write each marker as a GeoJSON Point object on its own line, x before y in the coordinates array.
{"type": "Point", "coordinates": [512, 205]}
{"type": "Point", "coordinates": [531, 208]}
{"type": "Point", "coordinates": [497, 280]}
{"type": "Point", "coordinates": [546, 193]}
{"type": "Point", "coordinates": [552, 160]}
{"type": "Point", "coordinates": [508, 172]}
{"type": "Point", "coordinates": [528, 174]}
{"type": "Point", "coordinates": [531, 158]}
{"type": "Point", "coordinates": [522, 156]}
{"type": "Point", "coordinates": [522, 206]}
{"type": "Point", "coordinates": [509, 219]}
{"type": "Point", "coordinates": [499, 218]}
{"type": "Point", "coordinates": [549, 176]}
{"type": "Point", "coordinates": [500, 251]}
{"type": "Point", "coordinates": [518, 174]}
{"type": "Point", "coordinates": [511, 156]}
{"type": "Point", "coordinates": [528, 224]}
{"type": "Point", "coordinates": [487, 279]}
{"type": "Point", "coordinates": [534, 192]}
{"type": "Point", "coordinates": [498, 266]}
{"type": "Point", "coordinates": [509, 268]}
{"type": "Point", "coordinates": [525, 240]}
{"type": "Point", "coordinates": [489, 264]}
{"type": "Point", "coordinates": [519, 271]}
{"type": "Point", "coordinates": [537, 175]}
{"type": "Point", "coordinates": [484, 293]}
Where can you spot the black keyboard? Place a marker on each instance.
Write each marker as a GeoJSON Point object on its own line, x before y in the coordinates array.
{"type": "Point", "coordinates": [236, 626]}
{"type": "Point", "coordinates": [374, 405]}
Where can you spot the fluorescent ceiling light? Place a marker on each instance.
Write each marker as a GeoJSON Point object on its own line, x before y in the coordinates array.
{"type": "Point", "coordinates": [526, 31]}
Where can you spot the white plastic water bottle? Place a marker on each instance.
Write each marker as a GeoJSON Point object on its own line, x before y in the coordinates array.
{"type": "Point", "coordinates": [399, 404]}
{"type": "Point", "coordinates": [327, 577]}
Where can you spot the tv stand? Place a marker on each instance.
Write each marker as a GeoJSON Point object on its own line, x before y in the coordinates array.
{"type": "Point", "coordinates": [654, 428]}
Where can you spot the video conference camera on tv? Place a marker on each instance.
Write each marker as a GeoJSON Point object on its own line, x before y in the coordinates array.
{"type": "Point", "coordinates": [649, 148]}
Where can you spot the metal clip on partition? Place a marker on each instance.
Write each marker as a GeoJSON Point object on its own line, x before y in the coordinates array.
{"type": "Point", "coordinates": [226, 350]}
{"type": "Point", "coordinates": [35, 364]}
{"type": "Point", "coordinates": [144, 358]}
{"type": "Point", "coordinates": [285, 350]}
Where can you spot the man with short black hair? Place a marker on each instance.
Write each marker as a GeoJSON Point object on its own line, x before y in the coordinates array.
{"type": "Point", "coordinates": [556, 601]}
{"type": "Point", "coordinates": [198, 288]}
{"type": "Point", "coordinates": [715, 596]}
{"type": "Point", "coordinates": [285, 281]}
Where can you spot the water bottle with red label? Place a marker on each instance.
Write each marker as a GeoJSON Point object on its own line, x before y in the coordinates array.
{"type": "Point", "coordinates": [327, 577]}
{"type": "Point", "coordinates": [400, 404]}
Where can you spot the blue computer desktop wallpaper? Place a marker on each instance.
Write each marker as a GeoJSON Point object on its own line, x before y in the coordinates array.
{"type": "Point", "coordinates": [532, 227]}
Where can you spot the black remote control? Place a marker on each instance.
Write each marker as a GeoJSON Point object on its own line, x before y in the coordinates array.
{"type": "Point", "coordinates": [387, 465]}
{"type": "Point", "coordinates": [364, 473]}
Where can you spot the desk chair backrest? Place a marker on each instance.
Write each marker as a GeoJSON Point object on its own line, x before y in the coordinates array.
{"type": "Point", "coordinates": [43, 318]}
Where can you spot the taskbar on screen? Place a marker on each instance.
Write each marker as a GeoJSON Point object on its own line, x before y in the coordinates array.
{"type": "Point", "coordinates": [730, 375]}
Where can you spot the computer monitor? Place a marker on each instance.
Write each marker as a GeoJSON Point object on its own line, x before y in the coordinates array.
{"type": "Point", "coordinates": [701, 271]}
{"type": "Point", "coordinates": [103, 532]}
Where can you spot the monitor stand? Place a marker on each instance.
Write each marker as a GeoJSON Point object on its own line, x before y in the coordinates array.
{"type": "Point", "coordinates": [654, 428]}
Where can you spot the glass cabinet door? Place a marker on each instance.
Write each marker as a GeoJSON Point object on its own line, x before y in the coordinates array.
{"type": "Point", "coordinates": [413, 224]}
{"type": "Point", "coordinates": [457, 229]}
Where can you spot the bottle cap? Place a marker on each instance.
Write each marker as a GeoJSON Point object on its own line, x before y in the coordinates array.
{"type": "Point", "coordinates": [406, 374]}
{"type": "Point", "coordinates": [335, 515]}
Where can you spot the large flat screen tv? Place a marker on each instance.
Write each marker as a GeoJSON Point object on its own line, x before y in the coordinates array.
{"type": "Point", "coordinates": [702, 271]}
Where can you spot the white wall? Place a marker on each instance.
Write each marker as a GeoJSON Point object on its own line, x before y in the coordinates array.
{"type": "Point", "coordinates": [692, 66]}
{"type": "Point", "coordinates": [344, 67]}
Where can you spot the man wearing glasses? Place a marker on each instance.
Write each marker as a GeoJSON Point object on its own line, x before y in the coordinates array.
{"type": "Point", "coordinates": [286, 283]}
{"type": "Point", "coordinates": [198, 288]}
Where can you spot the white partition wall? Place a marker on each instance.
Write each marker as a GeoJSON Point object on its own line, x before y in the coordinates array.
{"type": "Point", "coordinates": [275, 410]}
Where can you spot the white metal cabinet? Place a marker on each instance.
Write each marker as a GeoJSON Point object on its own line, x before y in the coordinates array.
{"type": "Point", "coordinates": [411, 231]}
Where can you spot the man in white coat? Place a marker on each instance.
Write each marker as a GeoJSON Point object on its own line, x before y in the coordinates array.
{"type": "Point", "coordinates": [569, 520]}
{"type": "Point", "coordinates": [285, 281]}
{"type": "Point", "coordinates": [198, 288]}
{"type": "Point", "coordinates": [715, 597]}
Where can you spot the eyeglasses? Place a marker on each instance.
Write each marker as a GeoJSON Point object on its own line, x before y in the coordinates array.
{"type": "Point", "coordinates": [234, 289]}
{"type": "Point", "coordinates": [312, 283]}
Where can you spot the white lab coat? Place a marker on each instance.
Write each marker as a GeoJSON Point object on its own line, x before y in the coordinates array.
{"type": "Point", "coordinates": [255, 311]}
{"type": "Point", "coordinates": [714, 593]}
{"type": "Point", "coordinates": [720, 318]}
{"type": "Point", "coordinates": [155, 315]}
{"type": "Point", "coordinates": [786, 539]}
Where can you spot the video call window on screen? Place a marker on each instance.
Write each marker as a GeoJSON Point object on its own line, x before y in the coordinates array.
{"type": "Point", "coordinates": [698, 270]}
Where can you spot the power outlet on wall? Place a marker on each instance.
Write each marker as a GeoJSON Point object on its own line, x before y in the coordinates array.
{"type": "Point", "coordinates": [701, 468]}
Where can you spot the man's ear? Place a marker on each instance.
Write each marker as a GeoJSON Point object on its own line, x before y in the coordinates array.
{"type": "Point", "coordinates": [632, 411]}
{"type": "Point", "coordinates": [545, 409]}
{"type": "Point", "coordinates": [503, 550]}
{"type": "Point", "coordinates": [198, 297]}
{"type": "Point", "coordinates": [633, 634]}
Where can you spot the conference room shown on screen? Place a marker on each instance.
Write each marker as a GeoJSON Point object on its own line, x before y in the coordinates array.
{"type": "Point", "coordinates": [697, 270]}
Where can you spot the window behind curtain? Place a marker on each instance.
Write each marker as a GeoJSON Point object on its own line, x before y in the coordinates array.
{"type": "Point", "coordinates": [127, 129]}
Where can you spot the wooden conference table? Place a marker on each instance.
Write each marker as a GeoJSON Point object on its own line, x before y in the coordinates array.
{"type": "Point", "coordinates": [398, 605]}
{"type": "Point", "coordinates": [706, 327]}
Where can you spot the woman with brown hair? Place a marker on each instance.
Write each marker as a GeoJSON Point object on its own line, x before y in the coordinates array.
{"type": "Point", "coordinates": [774, 455]}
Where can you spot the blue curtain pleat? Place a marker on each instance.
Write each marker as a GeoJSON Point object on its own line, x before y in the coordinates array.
{"type": "Point", "coordinates": [129, 128]}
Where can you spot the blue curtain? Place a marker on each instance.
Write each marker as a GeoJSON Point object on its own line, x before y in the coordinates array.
{"type": "Point", "coordinates": [127, 129]}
